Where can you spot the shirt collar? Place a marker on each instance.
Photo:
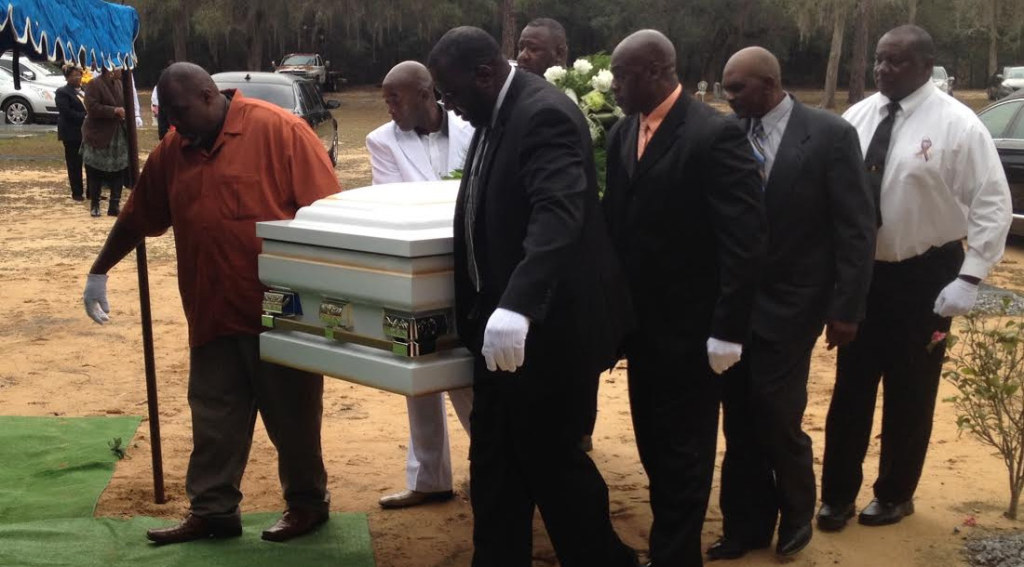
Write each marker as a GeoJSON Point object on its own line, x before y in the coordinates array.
{"type": "Point", "coordinates": [910, 102]}
{"type": "Point", "coordinates": [774, 117]}
{"type": "Point", "coordinates": [660, 111]}
{"type": "Point", "coordinates": [501, 96]}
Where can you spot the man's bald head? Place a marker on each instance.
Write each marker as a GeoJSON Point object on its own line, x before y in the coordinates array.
{"type": "Point", "coordinates": [408, 90]}
{"type": "Point", "coordinates": [752, 81]}
{"type": "Point", "coordinates": [903, 61]}
{"type": "Point", "coordinates": [644, 67]}
{"type": "Point", "coordinates": [194, 105]}
{"type": "Point", "coordinates": [409, 75]}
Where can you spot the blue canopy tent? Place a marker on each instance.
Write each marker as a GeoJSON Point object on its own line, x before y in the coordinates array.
{"type": "Point", "coordinates": [91, 33]}
{"type": "Point", "coordinates": [95, 34]}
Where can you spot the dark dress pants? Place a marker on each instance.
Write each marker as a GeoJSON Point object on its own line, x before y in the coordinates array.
{"type": "Point", "coordinates": [97, 178]}
{"type": "Point", "coordinates": [768, 464]}
{"type": "Point", "coordinates": [525, 453]}
{"type": "Point", "coordinates": [674, 398]}
{"type": "Point", "coordinates": [73, 160]}
{"type": "Point", "coordinates": [228, 385]}
{"type": "Point", "coordinates": [891, 346]}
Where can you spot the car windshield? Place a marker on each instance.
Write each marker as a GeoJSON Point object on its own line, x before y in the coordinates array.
{"type": "Point", "coordinates": [939, 73]}
{"type": "Point", "coordinates": [281, 95]}
{"type": "Point", "coordinates": [1014, 73]}
{"type": "Point", "coordinates": [298, 60]}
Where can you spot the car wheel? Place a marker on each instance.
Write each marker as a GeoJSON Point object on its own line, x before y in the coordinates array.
{"type": "Point", "coordinates": [333, 154]}
{"type": "Point", "coordinates": [17, 111]}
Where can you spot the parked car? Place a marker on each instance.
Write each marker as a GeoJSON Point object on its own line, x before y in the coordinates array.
{"type": "Point", "coordinates": [295, 95]}
{"type": "Point", "coordinates": [1005, 83]}
{"type": "Point", "coordinates": [33, 102]}
{"type": "Point", "coordinates": [1005, 121]}
{"type": "Point", "coordinates": [942, 80]}
{"type": "Point", "coordinates": [40, 72]}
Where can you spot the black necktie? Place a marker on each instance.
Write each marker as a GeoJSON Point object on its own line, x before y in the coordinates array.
{"type": "Point", "coordinates": [874, 158]}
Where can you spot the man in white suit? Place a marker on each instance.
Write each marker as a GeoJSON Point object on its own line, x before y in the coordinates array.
{"type": "Point", "coordinates": [421, 143]}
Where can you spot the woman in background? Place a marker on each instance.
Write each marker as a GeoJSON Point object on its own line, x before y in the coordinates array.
{"type": "Point", "coordinates": [71, 114]}
{"type": "Point", "coordinates": [104, 140]}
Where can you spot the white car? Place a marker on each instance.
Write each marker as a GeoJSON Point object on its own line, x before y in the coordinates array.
{"type": "Point", "coordinates": [33, 102]}
{"type": "Point", "coordinates": [42, 73]}
{"type": "Point", "coordinates": [942, 80]}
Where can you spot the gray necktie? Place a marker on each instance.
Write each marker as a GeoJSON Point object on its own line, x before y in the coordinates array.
{"type": "Point", "coordinates": [757, 139]}
{"type": "Point", "coordinates": [472, 189]}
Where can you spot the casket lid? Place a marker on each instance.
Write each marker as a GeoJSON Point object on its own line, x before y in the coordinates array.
{"type": "Point", "coordinates": [398, 219]}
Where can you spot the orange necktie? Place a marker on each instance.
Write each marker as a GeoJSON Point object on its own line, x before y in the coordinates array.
{"type": "Point", "coordinates": [643, 139]}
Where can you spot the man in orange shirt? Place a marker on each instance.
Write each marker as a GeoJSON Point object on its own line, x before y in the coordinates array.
{"type": "Point", "coordinates": [686, 215]}
{"type": "Point", "coordinates": [232, 162]}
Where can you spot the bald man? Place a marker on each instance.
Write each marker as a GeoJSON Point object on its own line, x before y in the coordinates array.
{"type": "Point", "coordinates": [232, 161]}
{"type": "Point", "coordinates": [542, 45]}
{"type": "Point", "coordinates": [684, 205]}
{"type": "Point", "coordinates": [422, 142]}
{"type": "Point", "coordinates": [821, 216]}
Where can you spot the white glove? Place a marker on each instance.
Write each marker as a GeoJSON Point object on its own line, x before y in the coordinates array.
{"type": "Point", "coordinates": [957, 298]}
{"type": "Point", "coordinates": [723, 354]}
{"type": "Point", "coordinates": [505, 340]}
{"type": "Point", "coordinates": [138, 122]}
{"type": "Point", "coordinates": [95, 298]}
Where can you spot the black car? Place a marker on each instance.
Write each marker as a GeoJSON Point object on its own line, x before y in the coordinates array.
{"type": "Point", "coordinates": [1005, 121]}
{"type": "Point", "coordinates": [290, 93]}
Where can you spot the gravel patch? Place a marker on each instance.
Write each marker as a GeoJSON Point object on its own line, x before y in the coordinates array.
{"type": "Point", "coordinates": [996, 551]}
{"type": "Point", "coordinates": [990, 301]}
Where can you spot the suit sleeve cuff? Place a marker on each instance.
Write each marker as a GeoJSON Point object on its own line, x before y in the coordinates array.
{"type": "Point", "coordinates": [974, 266]}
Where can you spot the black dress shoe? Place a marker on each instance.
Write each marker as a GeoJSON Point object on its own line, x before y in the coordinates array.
{"type": "Point", "coordinates": [726, 548]}
{"type": "Point", "coordinates": [94, 210]}
{"type": "Point", "coordinates": [833, 518]}
{"type": "Point", "coordinates": [294, 523]}
{"type": "Point", "coordinates": [408, 498]}
{"type": "Point", "coordinates": [193, 528]}
{"type": "Point", "coordinates": [792, 542]}
{"type": "Point", "coordinates": [884, 513]}
{"type": "Point", "coordinates": [78, 197]}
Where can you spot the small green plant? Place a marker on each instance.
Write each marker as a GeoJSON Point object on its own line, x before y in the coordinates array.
{"type": "Point", "coordinates": [455, 174]}
{"type": "Point", "coordinates": [986, 364]}
{"type": "Point", "coordinates": [116, 448]}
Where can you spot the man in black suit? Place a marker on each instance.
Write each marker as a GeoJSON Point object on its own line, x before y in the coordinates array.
{"type": "Point", "coordinates": [822, 220]}
{"type": "Point", "coordinates": [684, 206]}
{"type": "Point", "coordinates": [539, 300]}
{"type": "Point", "coordinates": [71, 115]}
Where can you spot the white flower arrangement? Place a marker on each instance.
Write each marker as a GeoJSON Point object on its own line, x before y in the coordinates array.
{"type": "Point", "coordinates": [588, 83]}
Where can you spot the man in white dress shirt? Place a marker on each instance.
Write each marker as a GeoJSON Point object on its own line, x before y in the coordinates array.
{"type": "Point", "coordinates": [421, 143]}
{"type": "Point", "coordinates": [940, 180]}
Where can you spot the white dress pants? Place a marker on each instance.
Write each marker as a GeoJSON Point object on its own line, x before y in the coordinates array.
{"type": "Point", "coordinates": [429, 464]}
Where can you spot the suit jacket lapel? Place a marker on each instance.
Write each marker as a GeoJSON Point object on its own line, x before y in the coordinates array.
{"type": "Point", "coordinates": [413, 149]}
{"type": "Point", "coordinates": [789, 157]}
{"type": "Point", "coordinates": [630, 131]}
{"type": "Point", "coordinates": [664, 137]}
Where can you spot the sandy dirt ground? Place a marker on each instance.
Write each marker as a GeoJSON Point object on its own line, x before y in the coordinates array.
{"type": "Point", "coordinates": [56, 362]}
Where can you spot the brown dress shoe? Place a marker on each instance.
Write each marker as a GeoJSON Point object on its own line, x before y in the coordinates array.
{"type": "Point", "coordinates": [408, 498]}
{"type": "Point", "coordinates": [193, 528]}
{"type": "Point", "coordinates": [294, 523]}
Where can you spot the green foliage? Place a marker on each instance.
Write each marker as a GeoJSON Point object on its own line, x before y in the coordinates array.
{"type": "Point", "coordinates": [455, 174]}
{"type": "Point", "coordinates": [986, 364]}
{"type": "Point", "coordinates": [116, 448]}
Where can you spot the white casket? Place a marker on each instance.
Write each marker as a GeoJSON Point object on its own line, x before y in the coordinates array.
{"type": "Point", "coordinates": [361, 289]}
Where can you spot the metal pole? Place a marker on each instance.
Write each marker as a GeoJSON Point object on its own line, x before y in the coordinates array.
{"type": "Point", "coordinates": [144, 309]}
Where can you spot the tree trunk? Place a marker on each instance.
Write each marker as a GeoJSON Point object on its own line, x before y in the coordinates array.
{"type": "Point", "coordinates": [179, 35]}
{"type": "Point", "coordinates": [912, 12]}
{"type": "Point", "coordinates": [834, 54]}
{"type": "Point", "coordinates": [858, 65]}
{"type": "Point", "coordinates": [993, 37]}
{"type": "Point", "coordinates": [508, 28]}
{"type": "Point", "coordinates": [1011, 511]}
{"type": "Point", "coordinates": [256, 31]}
